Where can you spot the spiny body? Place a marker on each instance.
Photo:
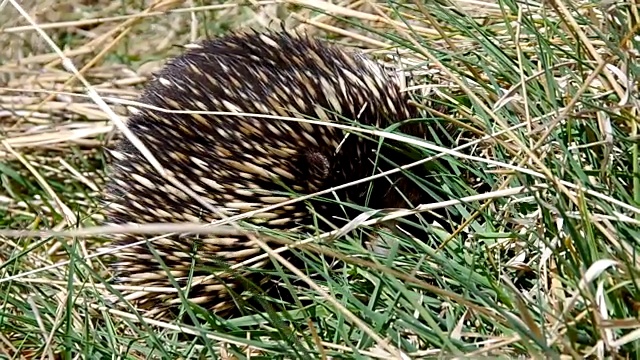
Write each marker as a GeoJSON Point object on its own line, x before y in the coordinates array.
{"type": "Point", "coordinates": [241, 163]}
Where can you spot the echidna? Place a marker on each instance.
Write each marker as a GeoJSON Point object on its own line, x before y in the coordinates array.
{"type": "Point", "coordinates": [243, 163]}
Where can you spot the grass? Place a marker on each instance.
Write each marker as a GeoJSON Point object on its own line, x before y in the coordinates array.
{"type": "Point", "coordinates": [542, 104]}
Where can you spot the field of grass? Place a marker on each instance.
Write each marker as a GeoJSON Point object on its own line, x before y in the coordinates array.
{"type": "Point", "coordinates": [541, 104]}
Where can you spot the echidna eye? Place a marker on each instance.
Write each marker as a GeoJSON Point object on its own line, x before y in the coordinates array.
{"type": "Point", "coordinates": [318, 165]}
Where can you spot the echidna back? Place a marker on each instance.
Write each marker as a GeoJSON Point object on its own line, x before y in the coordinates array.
{"type": "Point", "coordinates": [240, 163]}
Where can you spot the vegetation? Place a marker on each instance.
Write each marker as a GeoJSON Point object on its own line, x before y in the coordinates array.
{"type": "Point", "coordinates": [540, 103]}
